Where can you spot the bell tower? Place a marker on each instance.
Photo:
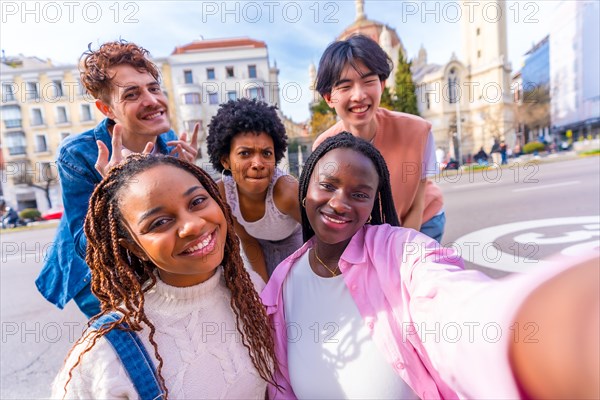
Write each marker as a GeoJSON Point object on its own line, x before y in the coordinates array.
{"type": "Point", "coordinates": [485, 54]}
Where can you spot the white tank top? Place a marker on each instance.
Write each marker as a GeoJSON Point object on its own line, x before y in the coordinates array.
{"type": "Point", "coordinates": [274, 225]}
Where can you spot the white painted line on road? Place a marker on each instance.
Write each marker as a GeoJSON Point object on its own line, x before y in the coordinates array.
{"type": "Point", "coordinates": [468, 185]}
{"type": "Point", "coordinates": [547, 186]}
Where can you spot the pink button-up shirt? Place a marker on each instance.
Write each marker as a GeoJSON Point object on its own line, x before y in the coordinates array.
{"type": "Point", "coordinates": [445, 330]}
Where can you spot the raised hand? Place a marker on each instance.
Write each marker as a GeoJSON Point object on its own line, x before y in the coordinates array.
{"type": "Point", "coordinates": [103, 164]}
{"type": "Point", "coordinates": [183, 149]}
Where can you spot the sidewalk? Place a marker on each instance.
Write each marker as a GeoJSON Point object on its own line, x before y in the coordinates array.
{"type": "Point", "coordinates": [517, 161]}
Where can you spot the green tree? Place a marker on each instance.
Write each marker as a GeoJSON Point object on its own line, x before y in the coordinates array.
{"type": "Point", "coordinates": [322, 117]}
{"type": "Point", "coordinates": [386, 99]}
{"type": "Point", "coordinates": [405, 98]}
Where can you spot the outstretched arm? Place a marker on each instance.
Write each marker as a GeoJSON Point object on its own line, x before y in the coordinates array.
{"type": "Point", "coordinates": [564, 360]}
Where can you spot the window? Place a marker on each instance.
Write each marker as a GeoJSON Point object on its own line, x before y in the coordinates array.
{"type": "Point", "coordinates": [36, 117]}
{"type": "Point", "coordinates": [32, 91]}
{"type": "Point", "coordinates": [61, 115]}
{"type": "Point", "coordinates": [213, 98]}
{"type": "Point", "coordinates": [189, 125]}
{"type": "Point", "coordinates": [188, 77]}
{"type": "Point", "coordinates": [478, 53]}
{"type": "Point", "coordinates": [82, 90]}
{"type": "Point", "coordinates": [210, 73]}
{"type": "Point", "coordinates": [58, 88]}
{"type": "Point", "coordinates": [86, 112]}
{"type": "Point", "coordinates": [256, 93]}
{"type": "Point", "coordinates": [191, 98]}
{"type": "Point", "coordinates": [8, 92]}
{"type": "Point", "coordinates": [40, 143]}
{"type": "Point", "coordinates": [64, 135]}
{"type": "Point", "coordinates": [478, 31]}
{"type": "Point", "coordinates": [229, 72]}
{"type": "Point", "coordinates": [16, 143]}
{"type": "Point", "coordinates": [252, 71]}
{"type": "Point", "coordinates": [428, 100]}
{"type": "Point", "coordinates": [232, 95]}
{"type": "Point", "coordinates": [11, 116]}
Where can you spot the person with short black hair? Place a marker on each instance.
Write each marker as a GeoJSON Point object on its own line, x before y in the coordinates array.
{"type": "Point", "coordinates": [351, 77]}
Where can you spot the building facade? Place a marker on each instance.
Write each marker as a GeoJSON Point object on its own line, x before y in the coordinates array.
{"type": "Point", "coordinates": [41, 105]}
{"type": "Point", "coordinates": [469, 101]}
{"type": "Point", "coordinates": [574, 69]}
{"type": "Point", "coordinates": [532, 96]}
{"type": "Point", "coordinates": [205, 73]}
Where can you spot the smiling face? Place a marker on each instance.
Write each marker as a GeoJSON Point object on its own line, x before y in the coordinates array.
{"type": "Point", "coordinates": [175, 224]}
{"type": "Point", "coordinates": [251, 161]}
{"type": "Point", "coordinates": [137, 102]}
{"type": "Point", "coordinates": [340, 195]}
{"type": "Point", "coordinates": [355, 97]}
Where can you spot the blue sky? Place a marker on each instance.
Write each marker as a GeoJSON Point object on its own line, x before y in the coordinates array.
{"type": "Point", "coordinates": [296, 32]}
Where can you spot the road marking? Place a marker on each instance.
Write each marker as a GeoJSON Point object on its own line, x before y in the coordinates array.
{"type": "Point", "coordinates": [479, 247]}
{"type": "Point", "coordinates": [469, 185]}
{"type": "Point", "coordinates": [547, 186]}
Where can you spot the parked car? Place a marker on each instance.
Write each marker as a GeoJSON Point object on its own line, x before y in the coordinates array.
{"type": "Point", "coordinates": [53, 213]}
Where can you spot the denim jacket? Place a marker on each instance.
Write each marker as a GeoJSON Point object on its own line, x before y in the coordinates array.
{"type": "Point", "coordinates": [65, 272]}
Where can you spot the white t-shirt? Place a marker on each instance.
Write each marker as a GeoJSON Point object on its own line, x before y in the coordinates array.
{"type": "Point", "coordinates": [331, 354]}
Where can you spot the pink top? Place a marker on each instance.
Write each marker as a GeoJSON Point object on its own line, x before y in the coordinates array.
{"type": "Point", "coordinates": [445, 330]}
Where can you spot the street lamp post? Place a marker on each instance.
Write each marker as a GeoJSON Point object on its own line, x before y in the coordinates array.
{"type": "Point", "coordinates": [458, 132]}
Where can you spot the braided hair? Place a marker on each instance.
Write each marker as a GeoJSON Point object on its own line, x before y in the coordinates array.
{"type": "Point", "coordinates": [384, 211]}
{"type": "Point", "coordinates": [120, 278]}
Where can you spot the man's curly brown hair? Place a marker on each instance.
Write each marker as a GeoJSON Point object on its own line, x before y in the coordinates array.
{"type": "Point", "coordinates": [94, 65]}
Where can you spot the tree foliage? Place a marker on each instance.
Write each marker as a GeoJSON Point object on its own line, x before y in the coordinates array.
{"type": "Point", "coordinates": [386, 99]}
{"type": "Point", "coordinates": [322, 117]}
{"type": "Point", "coordinates": [405, 98]}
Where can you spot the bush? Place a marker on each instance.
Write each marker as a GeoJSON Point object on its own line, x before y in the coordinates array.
{"type": "Point", "coordinates": [533, 147]}
{"type": "Point", "coordinates": [31, 214]}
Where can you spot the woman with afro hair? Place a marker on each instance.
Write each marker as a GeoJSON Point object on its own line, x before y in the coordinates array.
{"type": "Point", "coordinates": [246, 140]}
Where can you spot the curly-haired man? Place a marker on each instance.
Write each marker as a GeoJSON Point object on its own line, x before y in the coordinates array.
{"type": "Point", "coordinates": [126, 86]}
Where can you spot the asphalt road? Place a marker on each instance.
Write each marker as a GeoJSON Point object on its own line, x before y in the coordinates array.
{"type": "Point", "coordinates": [503, 221]}
{"type": "Point", "coordinates": [512, 219]}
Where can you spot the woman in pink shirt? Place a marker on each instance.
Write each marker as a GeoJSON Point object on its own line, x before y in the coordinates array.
{"type": "Point", "coordinates": [368, 309]}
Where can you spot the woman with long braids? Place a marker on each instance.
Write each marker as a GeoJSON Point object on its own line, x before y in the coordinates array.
{"type": "Point", "coordinates": [167, 270]}
{"type": "Point", "coordinates": [368, 309]}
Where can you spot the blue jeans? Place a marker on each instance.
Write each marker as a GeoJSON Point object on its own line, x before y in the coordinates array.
{"type": "Point", "coordinates": [434, 228]}
{"type": "Point", "coordinates": [87, 302]}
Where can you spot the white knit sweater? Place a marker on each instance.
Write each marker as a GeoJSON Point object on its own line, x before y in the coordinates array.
{"type": "Point", "coordinates": [196, 334]}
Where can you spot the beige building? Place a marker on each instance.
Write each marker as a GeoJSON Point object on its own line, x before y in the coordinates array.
{"type": "Point", "coordinates": [205, 73]}
{"type": "Point", "coordinates": [41, 105]}
{"type": "Point", "coordinates": [474, 91]}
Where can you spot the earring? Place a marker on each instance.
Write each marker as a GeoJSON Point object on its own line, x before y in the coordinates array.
{"type": "Point", "coordinates": [369, 220]}
{"type": "Point", "coordinates": [223, 173]}
{"type": "Point", "coordinates": [304, 202]}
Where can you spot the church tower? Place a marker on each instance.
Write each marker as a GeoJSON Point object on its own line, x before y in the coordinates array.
{"type": "Point", "coordinates": [487, 93]}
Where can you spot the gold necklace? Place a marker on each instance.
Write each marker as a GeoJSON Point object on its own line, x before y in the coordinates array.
{"type": "Point", "coordinates": [333, 272]}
